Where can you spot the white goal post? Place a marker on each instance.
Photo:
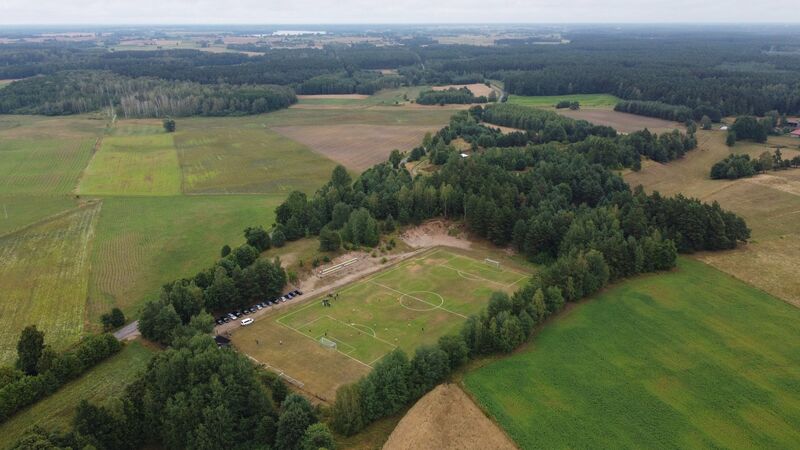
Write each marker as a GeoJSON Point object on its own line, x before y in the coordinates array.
{"type": "Point", "coordinates": [325, 342]}
{"type": "Point", "coordinates": [492, 262]}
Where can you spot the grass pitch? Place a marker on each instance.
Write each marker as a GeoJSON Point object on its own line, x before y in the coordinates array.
{"type": "Point", "coordinates": [410, 304]}
{"type": "Point", "coordinates": [689, 359]}
{"type": "Point", "coordinates": [100, 385]}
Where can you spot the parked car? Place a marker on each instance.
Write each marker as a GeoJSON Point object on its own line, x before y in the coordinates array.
{"type": "Point", "coordinates": [247, 321]}
{"type": "Point", "coordinates": [298, 292]}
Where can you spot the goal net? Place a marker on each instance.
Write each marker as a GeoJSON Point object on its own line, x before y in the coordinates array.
{"type": "Point", "coordinates": [491, 262]}
{"type": "Point", "coordinates": [327, 342]}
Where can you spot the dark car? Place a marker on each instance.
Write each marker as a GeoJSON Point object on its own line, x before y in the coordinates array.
{"type": "Point", "coordinates": [298, 292]}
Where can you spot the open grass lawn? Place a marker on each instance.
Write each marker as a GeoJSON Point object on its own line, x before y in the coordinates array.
{"type": "Point", "coordinates": [101, 385]}
{"type": "Point", "coordinates": [133, 165]}
{"type": "Point", "coordinates": [405, 306]}
{"type": "Point", "coordinates": [770, 203]}
{"type": "Point", "coordinates": [689, 359]}
{"type": "Point", "coordinates": [18, 211]}
{"type": "Point", "coordinates": [143, 242]}
{"type": "Point", "coordinates": [219, 156]}
{"type": "Point", "coordinates": [549, 101]}
{"type": "Point", "coordinates": [43, 273]}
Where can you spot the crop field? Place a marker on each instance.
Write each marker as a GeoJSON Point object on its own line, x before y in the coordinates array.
{"type": "Point", "coordinates": [43, 272]}
{"type": "Point", "coordinates": [412, 303]}
{"type": "Point", "coordinates": [770, 203]}
{"type": "Point", "coordinates": [222, 157]}
{"type": "Point", "coordinates": [620, 121]}
{"type": "Point", "coordinates": [385, 97]}
{"type": "Point", "coordinates": [133, 165]}
{"type": "Point", "coordinates": [357, 147]}
{"type": "Point", "coordinates": [100, 385]}
{"type": "Point", "coordinates": [42, 166]}
{"type": "Point", "coordinates": [143, 242]}
{"type": "Point", "coordinates": [549, 101]}
{"type": "Point", "coordinates": [18, 211]}
{"type": "Point", "coordinates": [689, 359]}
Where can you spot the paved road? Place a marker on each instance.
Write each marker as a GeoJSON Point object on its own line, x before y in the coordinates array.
{"type": "Point", "coordinates": [129, 331]}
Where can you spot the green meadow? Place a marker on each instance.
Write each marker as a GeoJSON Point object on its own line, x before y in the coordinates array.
{"type": "Point", "coordinates": [549, 101]}
{"type": "Point", "coordinates": [689, 359]}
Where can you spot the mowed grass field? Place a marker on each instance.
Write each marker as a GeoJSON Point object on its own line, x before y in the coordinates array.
{"type": "Point", "coordinates": [770, 203]}
{"type": "Point", "coordinates": [689, 359]}
{"type": "Point", "coordinates": [133, 165]}
{"type": "Point", "coordinates": [224, 156]}
{"type": "Point", "coordinates": [144, 242]}
{"type": "Point", "coordinates": [101, 385]}
{"type": "Point", "coordinates": [44, 275]}
{"type": "Point", "coordinates": [405, 306]}
{"type": "Point", "coordinates": [549, 101]}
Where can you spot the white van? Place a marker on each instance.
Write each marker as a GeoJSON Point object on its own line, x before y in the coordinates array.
{"type": "Point", "coordinates": [247, 321]}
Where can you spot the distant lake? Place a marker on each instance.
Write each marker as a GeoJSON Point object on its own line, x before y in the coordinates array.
{"type": "Point", "coordinates": [295, 32]}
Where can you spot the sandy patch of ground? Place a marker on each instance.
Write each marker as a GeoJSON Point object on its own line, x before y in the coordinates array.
{"type": "Point", "coordinates": [434, 233]}
{"type": "Point", "coordinates": [624, 122]}
{"type": "Point", "coordinates": [446, 418]}
{"type": "Point", "coordinates": [359, 146]}
{"type": "Point", "coordinates": [477, 89]}
{"type": "Point", "coordinates": [335, 96]}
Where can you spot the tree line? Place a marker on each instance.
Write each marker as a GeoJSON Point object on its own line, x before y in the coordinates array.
{"type": "Point", "coordinates": [238, 279]}
{"type": "Point", "coordinates": [78, 92]}
{"type": "Point", "coordinates": [741, 166]}
{"type": "Point", "coordinates": [191, 396]}
{"type": "Point", "coordinates": [451, 95]}
{"type": "Point", "coordinates": [40, 371]}
{"type": "Point", "coordinates": [675, 113]}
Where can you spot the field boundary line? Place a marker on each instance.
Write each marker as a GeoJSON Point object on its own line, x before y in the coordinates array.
{"type": "Point", "coordinates": [421, 300]}
{"type": "Point", "coordinates": [50, 218]}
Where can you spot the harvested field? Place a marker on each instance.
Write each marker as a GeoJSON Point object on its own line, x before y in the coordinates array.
{"type": "Point", "coordinates": [477, 89]}
{"type": "Point", "coordinates": [688, 359]}
{"type": "Point", "coordinates": [624, 122]}
{"type": "Point", "coordinates": [446, 418]}
{"type": "Point", "coordinates": [43, 272]}
{"type": "Point", "coordinates": [44, 165]}
{"type": "Point", "coordinates": [770, 203]}
{"type": "Point", "coordinates": [357, 147]}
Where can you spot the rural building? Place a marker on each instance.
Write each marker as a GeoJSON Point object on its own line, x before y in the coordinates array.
{"type": "Point", "coordinates": [795, 133]}
{"type": "Point", "coordinates": [793, 123]}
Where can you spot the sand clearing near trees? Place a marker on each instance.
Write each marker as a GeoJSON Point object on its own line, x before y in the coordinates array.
{"type": "Point", "coordinates": [446, 418]}
{"type": "Point", "coordinates": [477, 89]}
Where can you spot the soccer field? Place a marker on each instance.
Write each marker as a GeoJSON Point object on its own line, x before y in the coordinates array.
{"type": "Point", "coordinates": [405, 306]}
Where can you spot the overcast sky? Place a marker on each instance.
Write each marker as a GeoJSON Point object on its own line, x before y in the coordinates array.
{"type": "Point", "coordinates": [21, 12]}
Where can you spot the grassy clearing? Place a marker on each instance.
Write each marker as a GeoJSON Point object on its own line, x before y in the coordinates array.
{"type": "Point", "coordinates": [17, 211]}
{"type": "Point", "coordinates": [44, 271]}
{"type": "Point", "coordinates": [101, 385]}
{"type": "Point", "coordinates": [222, 157]}
{"type": "Point", "coordinates": [385, 97]}
{"type": "Point", "coordinates": [770, 204]}
{"type": "Point", "coordinates": [549, 101]}
{"type": "Point", "coordinates": [42, 166]}
{"type": "Point", "coordinates": [143, 242]}
{"type": "Point", "coordinates": [689, 359]}
{"type": "Point", "coordinates": [405, 306]}
{"type": "Point", "coordinates": [133, 165]}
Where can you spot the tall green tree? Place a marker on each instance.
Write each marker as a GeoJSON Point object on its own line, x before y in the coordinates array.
{"type": "Point", "coordinates": [29, 349]}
